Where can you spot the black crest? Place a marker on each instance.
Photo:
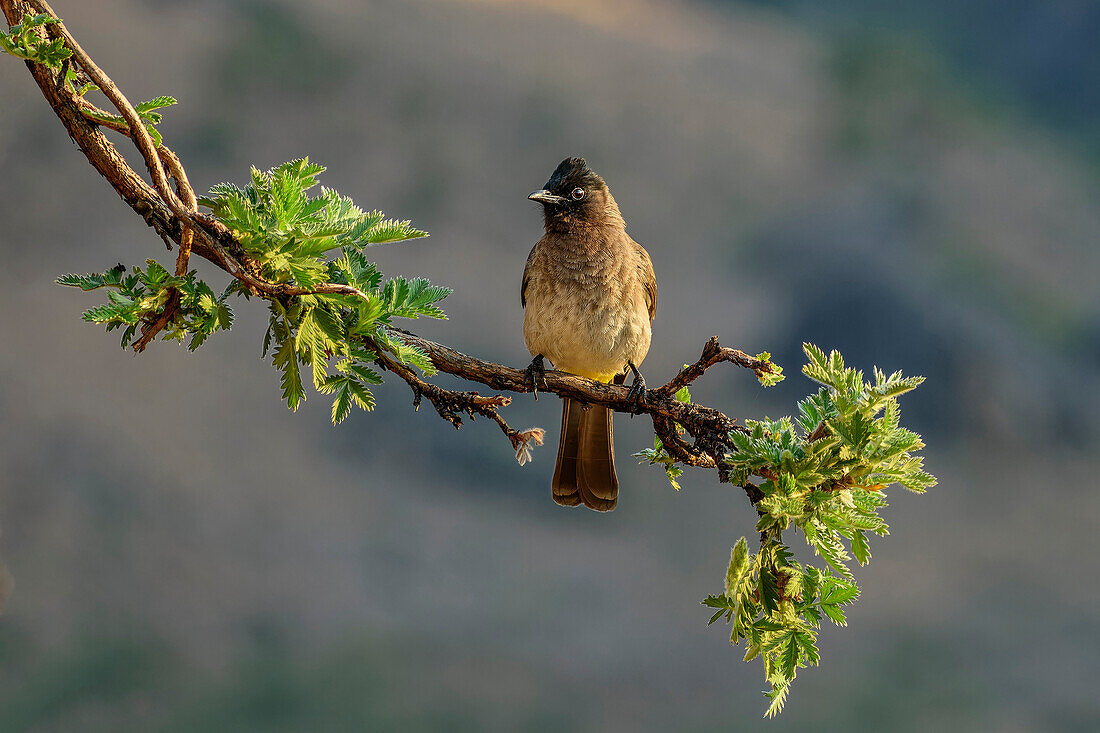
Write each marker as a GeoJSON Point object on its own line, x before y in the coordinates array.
{"type": "Point", "coordinates": [571, 173]}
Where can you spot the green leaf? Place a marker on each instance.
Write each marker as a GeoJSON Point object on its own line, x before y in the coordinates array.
{"type": "Point", "coordinates": [860, 548]}
{"type": "Point", "coordinates": [360, 395]}
{"type": "Point", "coordinates": [286, 360]}
{"type": "Point", "coordinates": [739, 565]}
{"type": "Point", "coordinates": [408, 354]}
{"type": "Point", "coordinates": [225, 317]}
{"type": "Point", "coordinates": [389, 231]}
{"type": "Point", "coordinates": [422, 296]}
{"type": "Point", "coordinates": [672, 473]}
{"type": "Point", "coordinates": [330, 328]}
{"type": "Point", "coordinates": [341, 405]}
{"type": "Point", "coordinates": [828, 546]}
{"type": "Point", "coordinates": [919, 482]}
{"type": "Point", "coordinates": [154, 104]}
{"type": "Point", "coordinates": [778, 697]}
{"type": "Point", "coordinates": [839, 593]}
{"type": "Point", "coordinates": [22, 42]}
{"type": "Point", "coordinates": [789, 654]}
{"type": "Point", "coordinates": [365, 374]}
{"type": "Point", "coordinates": [835, 615]}
{"type": "Point", "coordinates": [307, 272]}
{"type": "Point", "coordinates": [719, 601]}
{"type": "Point", "coordinates": [84, 282]}
{"type": "Point", "coordinates": [807, 647]}
{"type": "Point", "coordinates": [769, 590]}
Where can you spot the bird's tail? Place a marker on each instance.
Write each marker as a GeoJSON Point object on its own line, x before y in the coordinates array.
{"type": "Point", "coordinates": [585, 472]}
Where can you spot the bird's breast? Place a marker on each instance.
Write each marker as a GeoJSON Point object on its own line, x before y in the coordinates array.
{"type": "Point", "coordinates": [586, 313]}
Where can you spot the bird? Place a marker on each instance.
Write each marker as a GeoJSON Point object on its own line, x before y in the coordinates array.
{"type": "Point", "coordinates": [589, 296]}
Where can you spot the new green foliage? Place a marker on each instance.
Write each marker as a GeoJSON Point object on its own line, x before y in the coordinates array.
{"type": "Point", "coordinates": [140, 295]}
{"type": "Point", "coordinates": [146, 111]}
{"type": "Point", "coordinates": [300, 240]}
{"type": "Point", "coordinates": [772, 378]}
{"type": "Point", "coordinates": [288, 231]}
{"type": "Point", "coordinates": [291, 235]}
{"type": "Point", "coordinates": [824, 474]}
{"type": "Point", "coordinates": [23, 42]}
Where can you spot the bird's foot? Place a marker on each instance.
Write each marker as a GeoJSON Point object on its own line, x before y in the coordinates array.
{"type": "Point", "coordinates": [637, 393]}
{"type": "Point", "coordinates": [535, 373]}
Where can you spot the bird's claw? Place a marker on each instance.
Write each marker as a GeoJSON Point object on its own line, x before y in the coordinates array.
{"type": "Point", "coordinates": [637, 393]}
{"type": "Point", "coordinates": [535, 373]}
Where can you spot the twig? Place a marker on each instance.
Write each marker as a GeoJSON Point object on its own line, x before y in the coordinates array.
{"type": "Point", "coordinates": [449, 404]}
{"type": "Point", "coordinates": [152, 328]}
{"type": "Point", "coordinates": [677, 447]}
{"type": "Point", "coordinates": [697, 419]}
{"type": "Point", "coordinates": [713, 354]}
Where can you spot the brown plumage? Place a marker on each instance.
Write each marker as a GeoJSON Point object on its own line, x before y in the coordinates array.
{"type": "Point", "coordinates": [589, 297]}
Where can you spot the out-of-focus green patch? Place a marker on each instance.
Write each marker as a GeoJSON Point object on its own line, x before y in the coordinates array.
{"type": "Point", "coordinates": [107, 682]}
{"type": "Point", "coordinates": [273, 49]}
{"type": "Point", "coordinates": [894, 91]}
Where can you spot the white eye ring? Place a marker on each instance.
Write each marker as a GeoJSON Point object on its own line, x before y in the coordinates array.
{"type": "Point", "coordinates": [578, 194]}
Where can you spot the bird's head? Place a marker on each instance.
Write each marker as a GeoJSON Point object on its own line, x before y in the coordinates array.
{"type": "Point", "coordinates": [575, 194]}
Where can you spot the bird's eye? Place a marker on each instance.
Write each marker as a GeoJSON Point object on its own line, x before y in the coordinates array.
{"type": "Point", "coordinates": [578, 194]}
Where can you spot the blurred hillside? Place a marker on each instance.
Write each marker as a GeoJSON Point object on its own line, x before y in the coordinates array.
{"type": "Point", "coordinates": [190, 555]}
{"type": "Point", "coordinates": [1035, 54]}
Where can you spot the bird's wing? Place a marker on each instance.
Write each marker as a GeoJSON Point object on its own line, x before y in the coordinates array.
{"type": "Point", "coordinates": [649, 280]}
{"type": "Point", "coordinates": [527, 276]}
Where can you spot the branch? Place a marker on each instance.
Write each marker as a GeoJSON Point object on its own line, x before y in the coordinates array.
{"type": "Point", "coordinates": [713, 354]}
{"type": "Point", "coordinates": [698, 420]}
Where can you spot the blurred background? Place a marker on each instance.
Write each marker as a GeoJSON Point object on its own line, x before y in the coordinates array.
{"type": "Point", "coordinates": [912, 183]}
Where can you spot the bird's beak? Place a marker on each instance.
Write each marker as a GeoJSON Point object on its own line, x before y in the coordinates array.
{"type": "Point", "coordinates": [545, 197]}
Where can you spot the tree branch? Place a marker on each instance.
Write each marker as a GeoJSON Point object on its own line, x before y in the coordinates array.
{"type": "Point", "coordinates": [697, 419]}
{"type": "Point", "coordinates": [713, 354]}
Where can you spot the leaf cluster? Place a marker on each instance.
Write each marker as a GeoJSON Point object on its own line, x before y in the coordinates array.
{"type": "Point", "coordinates": [23, 42]}
{"type": "Point", "coordinates": [776, 606]}
{"type": "Point", "coordinates": [299, 240]}
{"type": "Point", "coordinates": [343, 334]}
{"type": "Point", "coordinates": [291, 234]}
{"type": "Point", "coordinates": [141, 295]}
{"type": "Point", "coordinates": [772, 378]}
{"type": "Point", "coordinates": [288, 231]}
{"type": "Point", "coordinates": [824, 474]}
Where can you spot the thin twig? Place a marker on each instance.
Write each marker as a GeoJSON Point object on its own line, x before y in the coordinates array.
{"type": "Point", "coordinates": [152, 328]}
{"type": "Point", "coordinates": [713, 353]}
{"type": "Point", "coordinates": [677, 447]}
{"type": "Point", "coordinates": [171, 162]}
{"type": "Point", "coordinates": [449, 404]}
